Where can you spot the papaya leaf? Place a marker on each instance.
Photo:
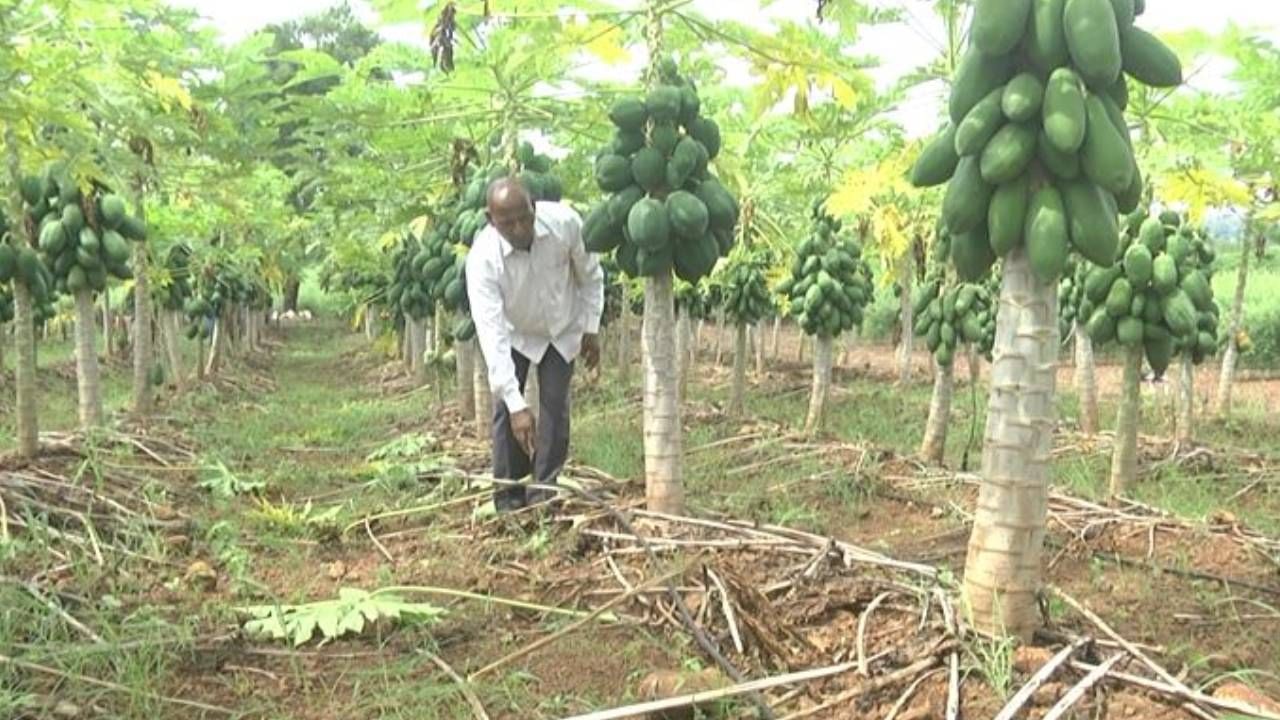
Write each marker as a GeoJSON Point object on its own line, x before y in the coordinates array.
{"type": "Point", "coordinates": [351, 613]}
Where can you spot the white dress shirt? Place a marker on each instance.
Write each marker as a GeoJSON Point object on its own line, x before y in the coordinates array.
{"type": "Point", "coordinates": [529, 300]}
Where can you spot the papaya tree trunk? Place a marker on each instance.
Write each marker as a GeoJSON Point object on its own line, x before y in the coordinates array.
{"type": "Point", "coordinates": [419, 345]}
{"type": "Point", "coordinates": [624, 345]}
{"type": "Point", "coordinates": [1232, 355]}
{"type": "Point", "coordinates": [664, 487]}
{"type": "Point", "coordinates": [464, 378]}
{"type": "Point", "coordinates": [1124, 457]}
{"type": "Point", "coordinates": [933, 447]}
{"type": "Point", "coordinates": [1187, 401]}
{"type": "Point", "coordinates": [906, 345]}
{"type": "Point", "coordinates": [804, 340]}
{"type": "Point", "coordinates": [108, 322]}
{"type": "Point", "coordinates": [1002, 570]}
{"type": "Point", "coordinates": [437, 329]}
{"type": "Point", "coordinates": [739, 388]}
{"type": "Point", "coordinates": [684, 351]}
{"type": "Point", "coordinates": [217, 345]}
{"type": "Point", "coordinates": [143, 352]}
{"type": "Point", "coordinates": [775, 344]}
{"type": "Point", "coordinates": [88, 377]}
{"type": "Point", "coordinates": [760, 349]}
{"type": "Point", "coordinates": [484, 396]}
{"type": "Point", "coordinates": [169, 329]}
{"type": "Point", "coordinates": [369, 333]}
{"type": "Point", "coordinates": [821, 388]}
{"type": "Point", "coordinates": [24, 368]}
{"type": "Point", "coordinates": [719, 336]}
{"type": "Point", "coordinates": [1086, 381]}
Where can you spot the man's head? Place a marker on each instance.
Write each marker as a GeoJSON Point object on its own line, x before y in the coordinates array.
{"type": "Point", "coordinates": [510, 211]}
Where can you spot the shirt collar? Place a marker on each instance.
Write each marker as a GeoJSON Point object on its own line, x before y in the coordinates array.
{"type": "Point", "coordinates": [541, 231]}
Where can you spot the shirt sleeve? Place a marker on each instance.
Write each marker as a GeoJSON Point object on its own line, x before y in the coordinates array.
{"type": "Point", "coordinates": [485, 298]}
{"type": "Point", "coordinates": [587, 273]}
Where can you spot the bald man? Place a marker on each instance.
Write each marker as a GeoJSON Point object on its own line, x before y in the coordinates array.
{"type": "Point", "coordinates": [536, 296]}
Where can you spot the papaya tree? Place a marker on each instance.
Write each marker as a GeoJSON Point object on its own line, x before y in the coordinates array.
{"type": "Point", "coordinates": [42, 50]}
{"type": "Point", "coordinates": [829, 286]}
{"type": "Point", "coordinates": [1074, 311]}
{"type": "Point", "coordinates": [1198, 175]}
{"type": "Point", "coordinates": [667, 214]}
{"type": "Point", "coordinates": [1154, 302]}
{"type": "Point", "coordinates": [83, 238]}
{"type": "Point", "coordinates": [744, 295]}
{"type": "Point", "coordinates": [1037, 161]}
{"type": "Point", "coordinates": [949, 316]}
{"type": "Point", "coordinates": [1194, 259]}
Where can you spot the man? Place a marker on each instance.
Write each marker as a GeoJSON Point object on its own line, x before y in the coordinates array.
{"type": "Point", "coordinates": [536, 296]}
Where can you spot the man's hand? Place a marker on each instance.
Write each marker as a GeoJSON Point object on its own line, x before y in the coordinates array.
{"type": "Point", "coordinates": [591, 350]}
{"type": "Point", "coordinates": [523, 427]}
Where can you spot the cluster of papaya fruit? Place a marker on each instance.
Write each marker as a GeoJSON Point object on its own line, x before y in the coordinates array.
{"type": "Point", "coordinates": [534, 171]}
{"type": "Point", "coordinates": [696, 299]}
{"type": "Point", "coordinates": [82, 238]}
{"type": "Point", "coordinates": [666, 209]}
{"type": "Point", "coordinates": [1159, 296]}
{"type": "Point", "coordinates": [1037, 148]}
{"type": "Point", "coordinates": [830, 283]}
{"type": "Point", "coordinates": [432, 271]}
{"type": "Point", "coordinates": [947, 314]}
{"type": "Point", "coordinates": [217, 286]}
{"type": "Point", "coordinates": [177, 263]}
{"type": "Point", "coordinates": [744, 286]}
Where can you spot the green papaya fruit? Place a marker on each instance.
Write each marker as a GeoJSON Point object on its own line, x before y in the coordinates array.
{"type": "Point", "coordinates": [980, 124]}
{"type": "Point", "coordinates": [1007, 216]}
{"type": "Point", "coordinates": [1101, 327]}
{"type": "Point", "coordinates": [1093, 40]}
{"type": "Point", "coordinates": [649, 169]}
{"type": "Point", "coordinates": [649, 228]}
{"type": "Point", "coordinates": [707, 132]}
{"type": "Point", "coordinates": [1008, 153]}
{"type": "Point", "coordinates": [937, 161]}
{"type": "Point", "coordinates": [1094, 225]}
{"type": "Point", "coordinates": [613, 173]}
{"type": "Point", "coordinates": [1065, 166]}
{"type": "Point", "coordinates": [1138, 266]}
{"type": "Point", "coordinates": [1023, 97]}
{"type": "Point", "coordinates": [1065, 116]}
{"type": "Point", "coordinates": [1148, 60]}
{"type": "Point", "coordinates": [977, 75]}
{"type": "Point", "coordinates": [664, 137]}
{"type": "Point", "coordinates": [1129, 331]}
{"type": "Point", "coordinates": [1048, 237]}
{"type": "Point", "coordinates": [1179, 314]}
{"type": "Point", "coordinates": [1105, 157]}
{"type": "Point", "coordinates": [971, 254]}
{"type": "Point", "coordinates": [1046, 39]}
{"type": "Point", "coordinates": [964, 207]}
{"type": "Point", "coordinates": [1119, 298]}
{"type": "Point", "coordinates": [998, 25]}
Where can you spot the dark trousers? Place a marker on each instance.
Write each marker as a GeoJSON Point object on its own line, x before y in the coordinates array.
{"type": "Point", "coordinates": [509, 460]}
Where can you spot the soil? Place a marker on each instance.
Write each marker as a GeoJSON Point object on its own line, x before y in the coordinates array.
{"type": "Point", "coordinates": [1181, 588]}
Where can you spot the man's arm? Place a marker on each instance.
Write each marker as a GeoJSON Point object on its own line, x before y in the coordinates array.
{"type": "Point", "coordinates": [485, 298]}
{"type": "Point", "coordinates": [588, 275]}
